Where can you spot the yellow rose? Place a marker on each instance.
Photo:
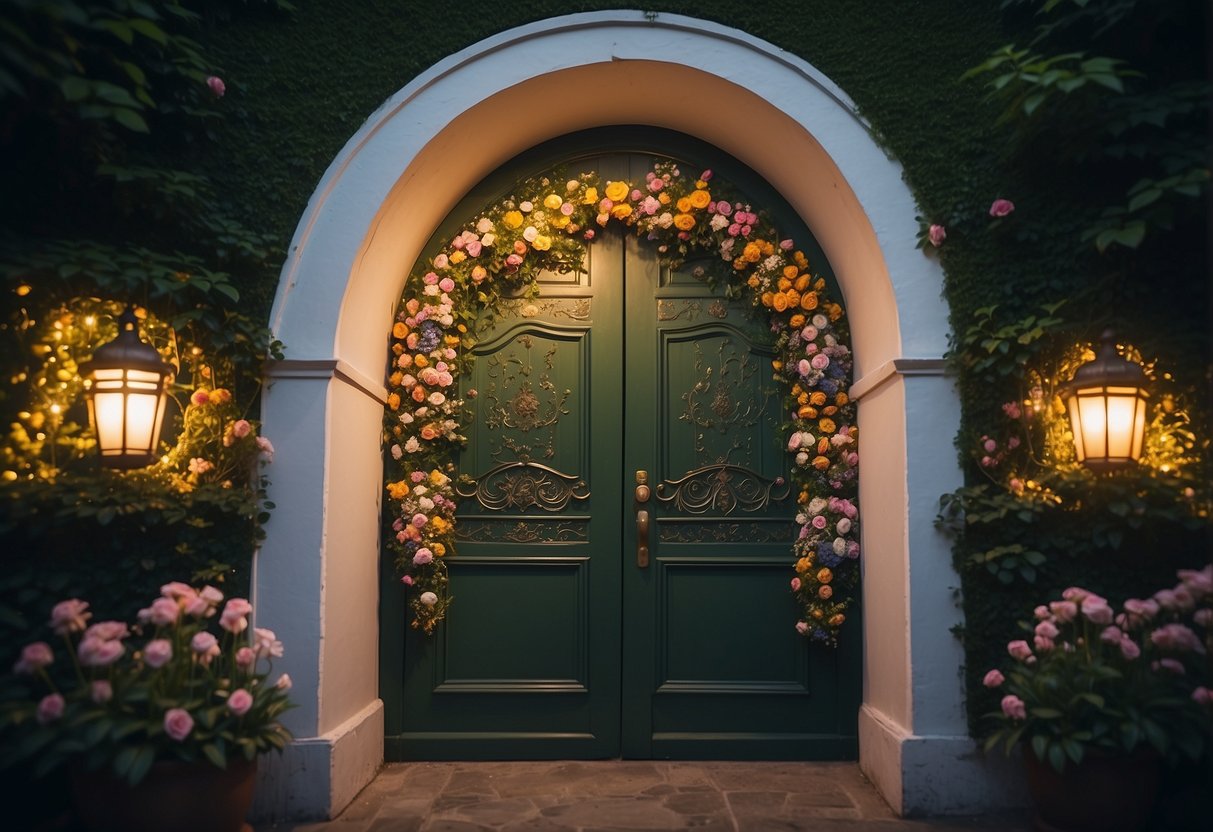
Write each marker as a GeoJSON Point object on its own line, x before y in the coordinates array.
{"type": "Point", "coordinates": [804, 565]}
{"type": "Point", "coordinates": [542, 243]}
{"type": "Point", "coordinates": [399, 330]}
{"type": "Point", "coordinates": [398, 490]}
{"type": "Point", "coordinates": [684, 204]}
{"type": "Point", "coordinates": [457, 257]}
{"type": "Point", "coordinates": [438, 549]}
{"type": "Point", "coordinates": [617, 191]}
{"type": "Point", "coordinates": [421, 361]}
{"type": "Point", "coordinates": [777, 365]}
{"type": "Point", "coordinates": [700, 199]}
{"type": "Point", "coordinates": [621, 211]}
{"type": "Point", "coordinates": [801, 260]}
{"type": "Point", "coordinates": [663, 198]}
{"type": "Point", "coordinates": [512, 218]}
{"type": "Point", "coordinates": [438, 478]}
{"type": "Point", "coordinates": [451, 340]}
{"type": "Point", "coordinates": [395, 379]}
{"type": "Point", "coordinates": [591, 196]}
{"type": "Point", "coordinates": [439, 525]}
{"type": "Point", "coordinates": [684, 222]}
{"type": "Point", "coordinates": [821, 463]}
{"type": "Point", "coordinates": [552, 202]}
{"type": "Point", "coordinates": [560, 221]}
{"type": "Point", "coordinates": [393, 401]}
{"type": "Point", "coordinates": [752, 252]}
{"type": "Point", "coordinates": [700, 184]}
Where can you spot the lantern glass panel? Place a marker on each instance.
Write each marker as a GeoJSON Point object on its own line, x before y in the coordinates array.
{"type": "Point", "coordinates": [107, 416]}
{"type": "Point", "coordinates": [1093, 424]}
{"type": "Point", "coordinates": [140, 420]}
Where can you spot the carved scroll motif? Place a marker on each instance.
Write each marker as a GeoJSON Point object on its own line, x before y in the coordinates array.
{"type": "Point", "coordinates": [525, 485]}
{"type": "Point", "coordinates": [724, 488]}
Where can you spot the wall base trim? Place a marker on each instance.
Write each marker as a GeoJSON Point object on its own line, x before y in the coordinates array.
{"type": "Point", "coordinates": [935, 774]}
{"type": "Point", "coordinates": [316, 777]}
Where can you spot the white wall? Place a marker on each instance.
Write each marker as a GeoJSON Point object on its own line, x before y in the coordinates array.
{"type": "Point", "coordinates": [378, 203]}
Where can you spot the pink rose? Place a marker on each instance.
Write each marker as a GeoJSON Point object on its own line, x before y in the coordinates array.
{"type": "Point", "coordinates": [796, 584]}
{"type": "Point", "coordinates": [441, 261]}
{"type": "Point", "coordinates": [1173, 665]}
{"type": "Point", "coordinates": [1043, 644]}
{"type": "Point", "coordinates": [407, 580]}
{"type": "Point", "coordinates": [1014, 707]}
{"type": "Point", "coordinates": [1063, 610]}
{"type": "Point", "coordinates": [164, 612]}
{"type": "Point", "coordinates": [423, 556]}
{"type": "Point", "coordinates": [1046, 629]}
{"type": "Point", "coordinates": [69, 616]}
{"type": "Point", "coordinates": [157, 653]}
{"type": "Point", "coordinates": [239, 702]}
{"type": "Point", "coordinates": [1176, 637]}
{"type": "Point", "coordinates": [233, 617]}
{"type": "Point", "coordinates": [1202, 696]}
{"type": "Point", "coordinates": [1001, 207]}
{"type": "Point", "coordinates": [241, 428]}
{"type": "Point", "coordinates": [820, 361]}
{"type": "Point", "coordinates": [1096, 610]}
{"type": "Point", "coordinates": [1129, 649]}
{"type": "Point", "coordinates": [1111, 635]}
{"type": "Point", "coordinates": [200, 397]}
{"type": "Point", "coordinates": [420, 520]}
{"type": "Point", "coordinates": [34, 657]}
{"type": "Point", "coordinates": [786, 245]}
{"type": "Point", "coordinates": [1019, 649]}
{"type": "Point", "coordinates": [446, 284]}
{"type": "Point", "coordinates": [1199, 583]}
{"type": "Point", "coordinates": [245, 658]}
{"type": "Point", "coordinates": [98, 652]}
{"type": "Point", "coordinates": [1142, 609]}
{"type": "Point", "coordinates": [205, 644]}
{"type": "Point", "coordinates": [50, 708]}
{"type": "Point", "coordinates": [100, 691]}
{"type": "Point", "coordinates": [937, 234]}
{"type": "Point", "coordinates": [266, 644]}
{"type": "Point", "coordinates": [819, 522]}
{"type": "Point", "coordinates": [215, 84]}
{"type": "Point", "coordinates": [802, 627]}
{"type": "Point", "coordinates": [265, 449]}
{"type": "Point", "coordinates": [993, 679]}
{"type": "Point", "coordinates": [178, 723]}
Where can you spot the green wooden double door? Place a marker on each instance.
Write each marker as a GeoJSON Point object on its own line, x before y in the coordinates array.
{"type": "Point", "coordinates": [621, 580]}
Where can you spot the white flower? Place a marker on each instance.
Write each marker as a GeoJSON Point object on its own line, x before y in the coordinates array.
{"type": "Point", "coordinates": [428, 599]}
{"type": "Point", "coordinates": [420, 489]}
{"type": "Point", "coordinates": [446, 320]}
{"type": "Point", "coordinates": [437, 398]}
{"type": "Point", "coordinates": [802, 458]}
{"type": "Point", "coordinates": [772, 263]}
{"type": "Point", "coordinates": [844, 525]}
{"type": "Point", "coordinates": [572, 185]}
{"type": "Point", "coordinates": [526, 207]}
{"type": "Point", "coordinates": [718, 222]}
{"type": "Point", "coordinates": [840, 546]}
{"type": "Point", "coordinates": [488, 239]}
{"type": "Point", "coordinates": [821, 321]}
{"type": "Point", "coordinates": [665, 220]}
{"type": "Point", "coordinates": [412, 446]}
{"type": "Point", "coordinates": [485, 225]}
{"type": "Point", "coordinates": [530, 233]}
{"type": "Point", "coordinates": [817, 505]}
{"type": "Point", "coordinates": [427, 505]}
{"type": "Point", "coordinates": [397, 452]}
{"type": "Point", "coordinates": [284, 682]}
{"type": "Point", "coordinates": [406, 418]}
{"type": "Point", "coordinates": [432, 289]}
{"type": "Point", "coordinates": [801, 519]}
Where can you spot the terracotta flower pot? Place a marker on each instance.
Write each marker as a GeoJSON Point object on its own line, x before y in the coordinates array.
{"type": "Point", "coordinates": [177, 796]}
{"type": "Point", "coordinates": [1106, 792]}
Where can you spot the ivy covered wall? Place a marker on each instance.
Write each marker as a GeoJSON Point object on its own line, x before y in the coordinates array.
{"type": "Point", "coordinates": [300, 83]}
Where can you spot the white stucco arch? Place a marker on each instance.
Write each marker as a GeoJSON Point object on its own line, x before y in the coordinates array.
{"type": "Point", "coordinates": [316, 576]}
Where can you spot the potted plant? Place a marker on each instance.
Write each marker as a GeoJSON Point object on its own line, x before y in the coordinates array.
{"type": "Point", "coordinates": [158, 725]}
{"type": "Point", "coordinates": [1101, 697]}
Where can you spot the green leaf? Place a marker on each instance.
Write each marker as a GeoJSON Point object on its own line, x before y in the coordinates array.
{"type": "Point", "coordinates": [1057, 758]}
{"type": "Point", "coordinates": [1046, 713]}
{"type": "Point", "coordinates": [212, 753]}
{"type": "Point", "coordinates": [130, 120]}
{"type": "Point", "coordinates": [1040, 746]}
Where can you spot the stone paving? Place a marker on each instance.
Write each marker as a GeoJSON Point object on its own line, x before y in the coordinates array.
{"type": "Point", "coordinates": [628, 795]}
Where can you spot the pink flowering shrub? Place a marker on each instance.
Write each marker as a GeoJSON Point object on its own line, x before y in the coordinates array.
{"type": "Point", "coordinates": [188, 681]}
{"type": "Point", "coordinates": [1087, 675]}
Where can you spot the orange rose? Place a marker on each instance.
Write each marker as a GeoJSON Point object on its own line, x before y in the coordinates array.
{"type": "Point", "coordinates": [421, 360]}
{"type": "Point", "coordinates": [767, 298]}
{"type": "Point", "coordinates": [767, 248]}
{"type": "Point", "coordinates": [684, 205]}
{"type": "Point", "coordinates": [829, 411]}
{"type": "Point", "coordinates": [801, 260]}
{"type": "Point", "coordinates": [821, 463]}
{"type": "Point", "coordinates": [700, 199]}
{"type": "Point", "coordinates": [783, 284]}
{"type": "Point", "coordinates": [684, 222]}
{"type": "Point", "coordinates": [777, 365]}
{"type": "Point", "coordinates": [451, 340]}
{"type": "Point", "coordinates": [820, 284]}
{"type": "Point", "coordinates": [438, 549]}
{"type": "Point", "coordinates": [663, 198]}
{"type": "Point", "coordinates": [419, 394]}
{"type": "Point", "coordinates": [841, 399]}
{"type": "Point", "coordinates": [397, 349]}
{"type": "Point", "coordinates": [808, 301]}
{"type": "Point", "coordinates": [428, 432]}
{"type": "Point", "coordinates": [823, 446]}
{"type": "Point", "coordinates": [753, 281]}
{"type": "Point", "coordinates": [395, 378]}
{"type": "Point", "coordinates": [439, 525]}
{"type": "Point", "coordinates": [398, 490]}
{"type": "Point", "coordinates": [802, 398]}
{"type": "Point", "coordinates": [478, 274]}
{"type": "Point", "coordinates": [789, 272]}
{"type": "Point", "coordinates": [818, 398]}
{"type": "Point", "coordinates": [802, 566]}
{"type": "Point", "coordinates": [836, 620]}
{"type": "Point", "coordinates": [797, 321]}
{"type": "Point", "coordinates": [780, 302]}
{"type": "Point", "coordinates": [802, 283]}
{"type": "Point", "coordinates": [834, 311]}
{"type": "Point", "coordinates": [399, 330]}
{"type": "Point", "coordinates": [752, 252]}
{"type": "Point", "coordinates": [457, 257]}
{"type": "Point", "coordinates": [793, 298]}
{"type": "Point", "coordinates": [393, 401]}
{"type": "Point", "coordinates": [825, 592]}
{"type": "Point", "coordinates": [824, 575]}
{"type": "Point", "coordinates": [804, 412]}
{"type": "Point", "coordinates": [818, 614]}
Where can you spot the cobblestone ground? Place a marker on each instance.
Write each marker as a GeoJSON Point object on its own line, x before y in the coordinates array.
{"type": "Point", "coordinates": [625, 795]}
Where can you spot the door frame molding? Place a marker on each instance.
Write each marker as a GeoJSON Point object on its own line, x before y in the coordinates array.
{"type": "Point", "coordinates": [317, 573]}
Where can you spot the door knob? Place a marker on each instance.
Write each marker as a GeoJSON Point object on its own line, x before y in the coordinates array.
{"type": "Point", "coordinates": [642, 519]}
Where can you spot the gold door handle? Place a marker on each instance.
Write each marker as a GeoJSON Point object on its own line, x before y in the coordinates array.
{"type": "Point", "coordinates": [642, 539]}
{"type": "Point", "coordinates": [642, 495]}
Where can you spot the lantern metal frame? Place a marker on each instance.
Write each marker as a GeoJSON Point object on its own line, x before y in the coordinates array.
{"type": "Point", "coordinates": [125, 384]}
{"type": "Point", "coordinates": [1106, 401]}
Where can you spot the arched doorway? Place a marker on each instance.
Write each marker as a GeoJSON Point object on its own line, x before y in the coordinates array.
{"type": "Point", "coordinates": [368, 220]}
{"type": "Point", "coordinates": [568, 639]}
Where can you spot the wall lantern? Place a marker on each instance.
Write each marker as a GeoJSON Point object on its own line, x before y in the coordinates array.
{"type": "Point", "coordinates": [1107, 404]}
{"type": "Point", "coordinates": [125, 383]}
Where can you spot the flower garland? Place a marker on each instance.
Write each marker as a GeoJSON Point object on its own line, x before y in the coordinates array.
{"type": "Point", "coordinates": [546, 225]}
